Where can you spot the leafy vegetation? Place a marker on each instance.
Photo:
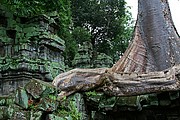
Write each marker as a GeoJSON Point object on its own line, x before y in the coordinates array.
{"type": "Point", "coordinates": [27, 8]}
{"type": "Point", "coordinates": [107, 21]}
{"type": "Point", "coordinates": [69, 110]}
{"type": "Point", "coordinates": [91, 93]}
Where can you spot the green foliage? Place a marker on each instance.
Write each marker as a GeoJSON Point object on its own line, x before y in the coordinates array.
{"type": "Point", "coordinates": [81, 35]}
{"type": "Point", "coordinates": [65, 19]}
{"type": "Point", "coordinates": [91, 93]}
{"type": "Point", "coordinates": [34, 7]}
{"type": "Point", "coordinates": [28, 8]}
{"type": "Point", "coordinates": [69, 110]}
{"type": "Point", "coordinates": [73, 111]}
{"type": "Point", "coordinates": [71, 50]}
{"type": "Point", "coordinates": [106, 20]}
{"type": "Point", "coordinates": [121, 41]}
{"type": "Point", "coordinates": [32, 107]}
{"type": "Point", "coordinates": [78, 36]}
{"type": "Point", "coordinates": [52, 97]}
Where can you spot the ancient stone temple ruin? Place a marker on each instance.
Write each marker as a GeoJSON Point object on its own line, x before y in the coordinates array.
{"type": "Point", "coordinates": [85, 58]}
{"type": "Point", "coordinates": [29, 48]}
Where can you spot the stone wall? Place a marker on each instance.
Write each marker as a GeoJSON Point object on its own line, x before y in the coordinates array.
{"type": "Point", "coordinates": [160, 106]}
{"type": "Point", "coordinates": [29, 48]}
{"type": "Point", "coordinates": [38, 100]}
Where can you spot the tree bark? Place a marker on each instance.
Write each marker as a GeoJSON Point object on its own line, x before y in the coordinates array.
{"type": "Point", "coordinates": [155, 47]}
{"type": "Point", "coordinates": [118, 84]}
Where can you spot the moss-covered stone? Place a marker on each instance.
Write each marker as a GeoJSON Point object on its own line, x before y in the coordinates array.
{"type": "Point", "coordinates": [37, 88]}
{"type": "Point", "coordinates": [21, 98]}
{"type": "Point", "coordinates": [107, 103]}
{"type": "Point", "coordinates": [83, 58]}
{"type": "Point", "coordinates": [31, 49]}
{"type": "Point", "coordinates": [23, 105]}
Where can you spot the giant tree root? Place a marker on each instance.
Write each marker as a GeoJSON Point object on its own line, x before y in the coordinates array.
{"type": "Point", "coordinates": [118, 84]}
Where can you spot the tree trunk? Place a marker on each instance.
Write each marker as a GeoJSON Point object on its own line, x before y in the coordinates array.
{"type": "Point", "coordinates": [155, 45]}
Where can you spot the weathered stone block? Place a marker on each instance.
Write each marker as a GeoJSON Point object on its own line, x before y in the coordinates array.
{"type": "Point", "coordinates": [37, 88]}
{"type": "Point", "coordinates": [21, 98]}
{"type": "Point", "coordinates": [130, 101]}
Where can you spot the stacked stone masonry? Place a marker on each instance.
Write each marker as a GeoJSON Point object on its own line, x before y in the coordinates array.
{"type": "Point", "coordinates": [29, 48]}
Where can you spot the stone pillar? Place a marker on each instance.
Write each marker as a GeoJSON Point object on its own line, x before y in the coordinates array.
{"type": "Point", "coordinates": [83, 58]}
